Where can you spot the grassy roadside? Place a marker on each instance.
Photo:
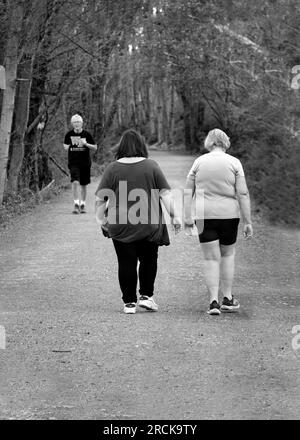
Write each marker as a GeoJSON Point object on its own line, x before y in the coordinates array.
{"type": "Point", "coordinates": [26, 201]}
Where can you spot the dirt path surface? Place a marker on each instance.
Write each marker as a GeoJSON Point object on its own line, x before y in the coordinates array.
{"type": "Point", "coordinates": [72, 354]}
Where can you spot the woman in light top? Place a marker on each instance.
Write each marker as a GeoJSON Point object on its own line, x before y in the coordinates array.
{"type": "Point", "coordinates": [220, 178]}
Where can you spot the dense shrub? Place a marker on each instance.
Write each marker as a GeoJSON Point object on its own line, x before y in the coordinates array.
{"type": "Point", "coordinates": [271, 161]}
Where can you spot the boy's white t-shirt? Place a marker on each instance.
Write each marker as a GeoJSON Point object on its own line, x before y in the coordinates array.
{"type": "Point", "coordinates": [215, 176]}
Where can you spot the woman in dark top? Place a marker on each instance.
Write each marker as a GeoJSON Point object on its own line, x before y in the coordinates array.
{"type": "Point", "coordinates": [129, 211]}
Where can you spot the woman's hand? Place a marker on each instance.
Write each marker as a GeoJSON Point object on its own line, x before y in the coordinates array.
{"type": "Point", "coordinates": [189, 226]}
{"type": "Point", "coordinates": [248, 231]}
{"type": "Point", "coordinates": [100, 221]}
{"type": "Point", "coordinates": [104, 223]}
{"type": "Point", "coordinates": [189, 222]}
{"type": "Point", "coordinates": [176, 222]}
{"type": "Point", "coordinates": [104, 227]}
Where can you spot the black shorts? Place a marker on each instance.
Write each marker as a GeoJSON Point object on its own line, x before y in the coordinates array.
{"type": "Point", "coordinates": [224, 230]}
{"type": "Point", "coordinates": [81, 173]}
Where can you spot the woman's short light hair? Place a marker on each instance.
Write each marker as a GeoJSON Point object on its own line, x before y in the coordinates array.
{"type": "Point", "coordinates": [76, 118]}
{"type": "Point", "coordinates": [216, 138]}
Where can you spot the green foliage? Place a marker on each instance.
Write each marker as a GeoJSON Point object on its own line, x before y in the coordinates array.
{"type": "Point", "coordinates": [174, 70]}
{"type": "Point", "coordinates": [270, 156]}
{"type": "Point", "coordinates": [272, 168]}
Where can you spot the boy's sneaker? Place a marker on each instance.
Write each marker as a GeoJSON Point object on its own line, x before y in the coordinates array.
{"type": "Point", "coordinates": [230, 305]}
{"type": "Point", "coordinates": [214, 308]}
{"type": "Point", "coordinates": [130, 308]}
{"type": "Point", "coordinates": [148, 303]}
{"type": "Point", "coordinates": [76, 209]}
{"type": "Point", "coordinates": [82, 209]}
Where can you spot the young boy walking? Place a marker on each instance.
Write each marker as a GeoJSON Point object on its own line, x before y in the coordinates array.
{"type": "Point", "coordinates": [78, 142]}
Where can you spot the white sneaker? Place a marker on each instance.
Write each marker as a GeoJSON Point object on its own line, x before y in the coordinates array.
{"type": "Point", "coordinates": [148, 303]}
{"type": "Point", "coordinates": [130, 308]}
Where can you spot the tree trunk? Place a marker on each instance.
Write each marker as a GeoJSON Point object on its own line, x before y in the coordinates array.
{"type": "Point", "coordinates": [160, 113]}
{"type": "Point", "coordinates": [16, 15]}
{"type": "Point", "coordinates": [135, 116]}
{"type": "Point", "coordinates": [120, 117]}
{"type": "Point", "coordinates": [187, 121]}
{"type": "Point", "coordinates": [65, 114]}
{"type": "Point", "coordinates": [36, 161]}
{"type": "Point", "coordinates": [112, 110]}
{"type": "Point", "coordinates": [166, 137]}
{"type": "Point", "coordinates": [172, 116]}
{"type": "Point", "coordinates": [3, 38]}
{"type": "Point", "coordinates": [152, 119]}
{"type": "Point", "coordinates": [21, 115]}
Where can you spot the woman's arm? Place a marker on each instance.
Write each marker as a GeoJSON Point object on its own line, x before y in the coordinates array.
{"type": "Point", "coordinates": [100, 208]}
{"type": "Point", "coordinates": [169, 203]}
{"type": "Point", "coordinates": [243, 197]}
{"type": "Point", "coordinates": [189, 192]}
{"type": "Point", "coordinates": [166, 196]}
{"type": "Point", "coordinates": [104, 194]}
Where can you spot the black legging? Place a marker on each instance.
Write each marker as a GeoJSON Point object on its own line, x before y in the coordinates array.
{"type": "Point", "coordinates": [129, 254]}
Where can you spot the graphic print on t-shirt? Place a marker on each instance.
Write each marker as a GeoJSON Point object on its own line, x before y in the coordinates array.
{"type": "Point", "coordinates": [78, 154]}
{"type": "Point", "coordinates": [75, 140]}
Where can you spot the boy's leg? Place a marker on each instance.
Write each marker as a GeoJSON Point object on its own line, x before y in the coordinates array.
{"type": "Point", "coordinates": [75, 177]}
{"type": "Point", "coordinates": [83, 191]}
{"type": "Point", "coordinates": [75, 190]}
{"type": "Point", "coordinates": [85, 179]}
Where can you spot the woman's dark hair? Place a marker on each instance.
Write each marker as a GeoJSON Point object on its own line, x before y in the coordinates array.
{"type": "Point", "coordinates": [132, 144]}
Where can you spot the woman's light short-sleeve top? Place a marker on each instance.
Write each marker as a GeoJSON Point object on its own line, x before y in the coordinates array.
{"type": "Point", "coordinates": [215, 175]}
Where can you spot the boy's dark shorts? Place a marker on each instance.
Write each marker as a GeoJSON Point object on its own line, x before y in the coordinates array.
{"type": "Point", "coordinates": [81, 174]}
{"type": "Point", "coordinates": [224, 230]}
